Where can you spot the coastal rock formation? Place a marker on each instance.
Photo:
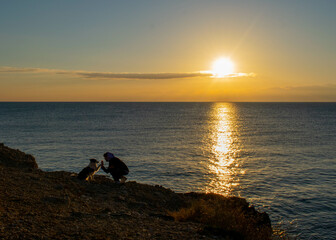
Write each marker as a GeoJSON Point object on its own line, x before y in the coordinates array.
{"type": "Point", "coordinates": [15, 158]}
{"type": "Point", "coordinates": [56, 205]}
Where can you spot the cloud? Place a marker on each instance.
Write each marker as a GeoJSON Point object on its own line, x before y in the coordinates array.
{"type": "Point", "coordinates": [306, 88]}
{"type": "Point", "coordinates": [31, 70]}
{"type": "Point", "coordinates": [124, 76]}
{"type": "Point", "coordinates": [232, 75]}
{"type": "Point", "coordinates": [97, 75]}
{"type": "Point", "coordinates": [303, 93]}
{"type": "Point", "coordinates": [22, 70]}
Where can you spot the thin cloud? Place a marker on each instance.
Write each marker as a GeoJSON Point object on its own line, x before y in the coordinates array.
{"type": "Point", "coordinates": [303, 93]}
{"type": "Point", "coordinates": [313, 88]}
{"type": "Point", "coordinates": [233, 75]}
{"type": "Point", "coordinates": [31, 70]}
{"type": "Point", "coordinates": [230, 75]}
{"type": "Point", "coordinates": [22, 70]}
{"type": "Point", "coordinates": [124, 76]}
{"type": "Point", "coordinates": [97, 75]}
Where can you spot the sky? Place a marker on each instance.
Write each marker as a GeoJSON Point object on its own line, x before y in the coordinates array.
{"type": "Point", "coordinates": [155, 50]}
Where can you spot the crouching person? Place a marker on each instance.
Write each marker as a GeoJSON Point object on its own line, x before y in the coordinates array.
{"type": "Point", "coordinates": [116, 168]}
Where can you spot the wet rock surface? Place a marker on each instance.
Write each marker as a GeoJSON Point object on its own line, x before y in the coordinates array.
{"type": "Point", "coordinates": [56, 205]}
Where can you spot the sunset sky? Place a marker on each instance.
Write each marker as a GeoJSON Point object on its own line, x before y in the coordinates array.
{"type": "Point", "coordinates": [165, 50]}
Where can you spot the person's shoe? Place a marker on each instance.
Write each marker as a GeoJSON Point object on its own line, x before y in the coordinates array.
{"type": "Point", "coordinates": [123, 179]}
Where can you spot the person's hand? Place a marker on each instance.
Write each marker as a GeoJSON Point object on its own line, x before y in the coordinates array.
{"type": "Point", "coordinates": [102, 163]}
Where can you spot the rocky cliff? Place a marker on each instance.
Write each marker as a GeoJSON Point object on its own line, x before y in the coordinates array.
{"type": "Point", "coordinates": [56, 205]}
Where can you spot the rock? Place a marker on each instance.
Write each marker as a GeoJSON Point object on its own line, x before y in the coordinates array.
{"type": "Point", "coordinates": [54, 200]}
{"type": "Point", "coordinates": [15, 158]}
{"type": "Point", "coordinates": [121, 198]}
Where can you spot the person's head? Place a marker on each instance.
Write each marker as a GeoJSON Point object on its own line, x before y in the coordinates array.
{"type": "Point", "coordinates": [92, 160]}
{"type": "Point", "coordinates": [108, 156]}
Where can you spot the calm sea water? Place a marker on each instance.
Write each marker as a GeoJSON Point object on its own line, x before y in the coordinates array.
{"type": "Point", "coordinates": [280, 156]}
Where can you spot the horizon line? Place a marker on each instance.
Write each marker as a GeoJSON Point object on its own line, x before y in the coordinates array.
{"type": "Point", "coordinates": [167, 101]}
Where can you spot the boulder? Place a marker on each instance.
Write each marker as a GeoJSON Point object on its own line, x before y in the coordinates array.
{"type": "Point", "coordinates": [15, 158]}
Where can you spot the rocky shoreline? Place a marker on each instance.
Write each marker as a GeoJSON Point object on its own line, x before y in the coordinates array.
{"type": "Point", "coordinates": [55, 205]}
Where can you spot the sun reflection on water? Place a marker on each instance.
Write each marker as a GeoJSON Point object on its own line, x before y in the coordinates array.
{"type": "Point", "coordinates": [223, 164]}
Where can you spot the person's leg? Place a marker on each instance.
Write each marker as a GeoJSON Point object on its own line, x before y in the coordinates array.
{"type": "Point", "coordinates": [116, 174]}
{"type": "Point", "coordinates": [123, 178]}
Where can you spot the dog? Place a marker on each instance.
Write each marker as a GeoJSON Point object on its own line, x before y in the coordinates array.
{"type": "Point", "coordinates": [88, 172]}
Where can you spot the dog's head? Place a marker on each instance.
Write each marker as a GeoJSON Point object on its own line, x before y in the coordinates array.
{"type": "Point", "coordinates": [92, 160]}
{"type": "Point", "coordinates": [93, 163]}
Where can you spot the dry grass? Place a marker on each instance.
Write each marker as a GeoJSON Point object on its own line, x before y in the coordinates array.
{"type": "Point", "coordinates": [230, 217]}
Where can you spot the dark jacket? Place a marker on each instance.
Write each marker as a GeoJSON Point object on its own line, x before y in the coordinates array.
{"type": "Point", "coordinates": [116, 164]}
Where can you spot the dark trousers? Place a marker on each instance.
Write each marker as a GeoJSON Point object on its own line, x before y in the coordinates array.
{"type": "Point", "coordinates": [117, 173]}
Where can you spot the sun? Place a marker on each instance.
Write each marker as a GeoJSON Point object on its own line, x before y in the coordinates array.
{"type": "Point", "coordinates": [222, 67]}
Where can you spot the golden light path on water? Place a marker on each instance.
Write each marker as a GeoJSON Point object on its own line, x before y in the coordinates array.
{"type": "Point", "coordinates": [223, 163]}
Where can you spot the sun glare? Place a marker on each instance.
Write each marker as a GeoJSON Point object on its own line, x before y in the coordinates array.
{"type": "Point", "coordinates": [222, 67]}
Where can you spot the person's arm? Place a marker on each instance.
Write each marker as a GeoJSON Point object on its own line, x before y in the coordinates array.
{"type": "Point", "coordinates": [103, 167]}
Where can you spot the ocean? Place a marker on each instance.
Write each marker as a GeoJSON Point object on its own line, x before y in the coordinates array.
{"type": "Point", "coordinates": [281, 157]}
